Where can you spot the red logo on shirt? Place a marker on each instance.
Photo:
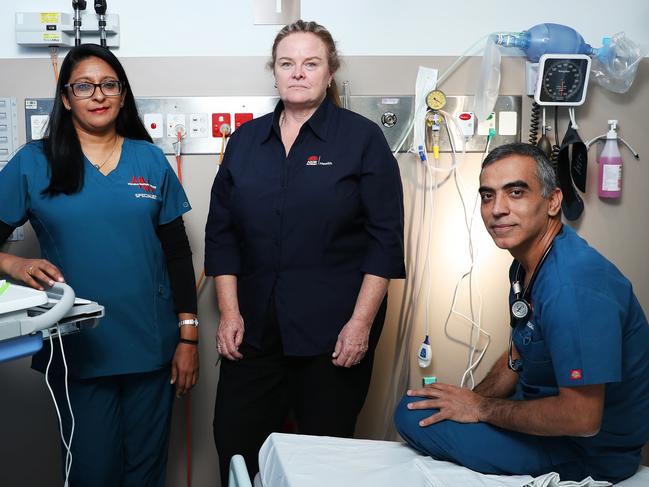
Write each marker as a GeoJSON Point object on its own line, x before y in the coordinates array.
{"type": "Point", "coordinates": [312, 160]}
{"type": "Point", "coordinates": [141, 183]}
{"type": "Point", "coordinates": [575, 374]}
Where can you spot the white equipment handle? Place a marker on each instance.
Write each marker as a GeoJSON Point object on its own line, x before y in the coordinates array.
{"type": "Point", "coordinates": [65, 295]}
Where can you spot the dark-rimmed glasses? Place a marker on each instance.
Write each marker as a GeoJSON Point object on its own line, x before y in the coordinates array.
{"type": "Point", "coordinates": [86, 90]}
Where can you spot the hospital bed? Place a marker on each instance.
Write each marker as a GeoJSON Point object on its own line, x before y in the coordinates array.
{"type": "Point", "coordinates": [310, 461]}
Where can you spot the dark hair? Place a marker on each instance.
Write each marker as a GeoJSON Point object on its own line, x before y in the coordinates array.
{"type": "Point", "coordinates": [61, 143]}
{"type": "Point", "coordinates": [544, 169]}
{"type": "Point", "coordinates": [333, 60]}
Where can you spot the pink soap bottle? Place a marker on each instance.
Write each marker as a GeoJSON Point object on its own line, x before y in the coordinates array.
{"type": "Point", "coordinates": [609, 183]}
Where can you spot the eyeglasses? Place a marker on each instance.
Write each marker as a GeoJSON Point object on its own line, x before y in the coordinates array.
{"type": "Point", "coordinates": [86, 90]}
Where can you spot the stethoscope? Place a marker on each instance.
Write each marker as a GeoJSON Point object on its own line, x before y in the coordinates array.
{"type": "Point", "coordinates": [521, 308]}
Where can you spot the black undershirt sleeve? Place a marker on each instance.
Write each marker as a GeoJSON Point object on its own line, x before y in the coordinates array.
{"type": "Point", "coordinates": [5, 231]}
{"type": "Point", "coordinates": [178, 256]}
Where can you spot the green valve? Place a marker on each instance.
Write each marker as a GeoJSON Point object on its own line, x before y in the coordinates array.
{"type": "Point", "coordinates": [428, 380]}
{"type": "Point", "coordinates": [4, 285]}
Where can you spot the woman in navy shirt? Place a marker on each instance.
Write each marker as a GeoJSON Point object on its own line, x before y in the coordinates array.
{"type": "Point", "coordinates": [304, 232]}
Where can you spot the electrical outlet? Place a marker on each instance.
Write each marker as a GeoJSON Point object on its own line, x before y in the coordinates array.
{"type": "Point", "coordinates": [198, 125]}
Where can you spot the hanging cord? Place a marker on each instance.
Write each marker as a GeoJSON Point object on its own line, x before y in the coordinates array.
{"type": "Point", "coordinates": [534, 123]}
{"type": "Point", "coordinates": [399, 381]}
{"type": "Point", "coordinates": [54, 56]}
{"type": "Point", "coordinates": [180, 133]}
{"type": "Point", "coordinates": [225, 131]}
{"type": "Point", "coordinates": [556, 147]}
{"type": "Point", "coordinates": [475, 323]}
{"type": "Point", "coordinates": [573, 120]}
{"type": "Point", "coordinates": [66, 444]}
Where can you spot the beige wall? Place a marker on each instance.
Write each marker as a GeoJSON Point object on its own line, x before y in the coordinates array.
{"type": "Point", "coordinates": [619, 230]}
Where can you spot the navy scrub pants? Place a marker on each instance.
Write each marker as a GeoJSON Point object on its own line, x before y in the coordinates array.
{"type": "Point", "coordinates": [486, 448]}
{"type": "Point", "coordinates": [121, 431]}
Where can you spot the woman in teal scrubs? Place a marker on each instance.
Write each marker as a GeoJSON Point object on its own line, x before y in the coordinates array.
{"type": "Point", "coordinates": [107, 209]}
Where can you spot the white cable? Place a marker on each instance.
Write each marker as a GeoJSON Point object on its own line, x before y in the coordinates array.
{"type": "Point", "coordinates": [68, 456]}
{"type": "Point", "coordinates": [571, 112]}
{"type": "Point", "coordinates": [431, 202]}
{"type": "Point", "coordinates": [68, 444]}
{"type": "Point", "coordinates": [476, 325]}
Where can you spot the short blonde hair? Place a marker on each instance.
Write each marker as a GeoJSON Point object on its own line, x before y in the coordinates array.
{"type": "Point", "coordinates": [333, 59]}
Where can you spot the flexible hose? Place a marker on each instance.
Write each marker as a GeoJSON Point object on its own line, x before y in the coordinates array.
{"type": "Point", "coordinates": [534, 123]}
{"type": "Point", "coordinates": [554, 155]}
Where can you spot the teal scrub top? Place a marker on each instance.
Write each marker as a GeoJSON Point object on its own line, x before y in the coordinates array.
{"type": "Point", "coordinates": [587, 327]}
{"type": "Point", "coordinates": [103, 239]}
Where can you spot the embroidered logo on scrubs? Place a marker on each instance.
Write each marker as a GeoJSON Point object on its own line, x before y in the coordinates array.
{"type": "Point", "coordinates": [315, 161]}
{"type": "Point", "coordinates": [141, 183]}
{"type": "Point", "coordinates": [575, 374]}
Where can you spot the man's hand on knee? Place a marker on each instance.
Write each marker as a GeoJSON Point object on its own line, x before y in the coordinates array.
{"type": "Point", "coordinates": [453, 402]}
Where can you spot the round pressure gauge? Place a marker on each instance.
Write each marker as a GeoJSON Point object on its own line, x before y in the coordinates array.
{"type": "Point", "coordinates": [563, 79]}
{"type": "Point", "coordinates": [436, 100]}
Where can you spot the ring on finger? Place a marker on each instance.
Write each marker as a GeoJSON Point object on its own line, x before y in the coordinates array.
{"type": "Point", "coordinates": [30, 270]}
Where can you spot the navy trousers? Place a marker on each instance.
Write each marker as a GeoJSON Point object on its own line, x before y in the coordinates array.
{"type": "Point", "coordinates": [255, 395]}
{"type": "Point", "coordinates": [488, 449]}
{"type": "Point", "coordinates": [121, 431]}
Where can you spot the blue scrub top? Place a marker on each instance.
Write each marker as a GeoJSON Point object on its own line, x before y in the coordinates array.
{"type": "Point", "coordinates": [103, 239]}
{"type": "Point", "coordinates": [587, 327]}
{"type": "Point", "coordinates": [305, 226]}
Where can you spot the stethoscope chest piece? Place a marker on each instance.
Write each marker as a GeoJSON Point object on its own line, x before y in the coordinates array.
{"type": "Point", "coordinates": [520, 309]}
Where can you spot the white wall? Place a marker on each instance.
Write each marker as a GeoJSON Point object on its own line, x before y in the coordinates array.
{"type": "Point", "coordinates": [362, 27]}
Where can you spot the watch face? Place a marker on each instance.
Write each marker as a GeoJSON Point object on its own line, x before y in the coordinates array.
{"type": "Point", "coordinates": [520, 309]}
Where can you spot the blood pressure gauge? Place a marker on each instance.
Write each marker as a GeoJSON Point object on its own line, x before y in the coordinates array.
{"type": "Point", "coordinates": [563, 79]}
{"type": "Point", "coordinates": [436, 100]}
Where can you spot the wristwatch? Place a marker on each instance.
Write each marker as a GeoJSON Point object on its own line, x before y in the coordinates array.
{"type": "Point", "coordinates": [192, 322]}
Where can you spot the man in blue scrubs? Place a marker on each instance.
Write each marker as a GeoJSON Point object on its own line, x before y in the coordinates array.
{"type": "Point", "coordinates": [571, 394]}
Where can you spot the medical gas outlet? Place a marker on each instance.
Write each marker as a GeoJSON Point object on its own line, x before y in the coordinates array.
{"type": "Point", "coordinates": [219, 123]}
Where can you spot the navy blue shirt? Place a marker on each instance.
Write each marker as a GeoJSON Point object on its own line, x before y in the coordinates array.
{"type": "Point", "coordinates": [306, 226]}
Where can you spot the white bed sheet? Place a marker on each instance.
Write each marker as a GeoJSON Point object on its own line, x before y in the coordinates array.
{"type": "Point", "coordinates": [321, 461]}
